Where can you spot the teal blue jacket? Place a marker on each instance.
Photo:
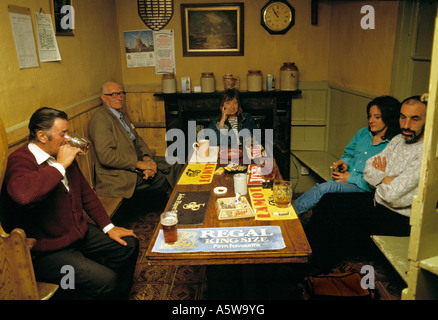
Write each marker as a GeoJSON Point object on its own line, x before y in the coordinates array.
{"type": "Point", "coordinates": [356, 154]}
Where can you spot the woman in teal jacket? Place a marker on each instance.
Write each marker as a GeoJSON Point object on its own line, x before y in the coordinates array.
{"type": "Point", "coordinates": [383, 114]}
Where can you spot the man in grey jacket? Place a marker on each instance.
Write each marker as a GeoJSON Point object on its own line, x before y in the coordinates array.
{"type": "Point", "coordinates": [123, 161]}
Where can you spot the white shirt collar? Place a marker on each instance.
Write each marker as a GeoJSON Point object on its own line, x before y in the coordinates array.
{"type": "Point", "coordinates": [40, 155]}
{"type": "Point", "coordinates": [117, 113]}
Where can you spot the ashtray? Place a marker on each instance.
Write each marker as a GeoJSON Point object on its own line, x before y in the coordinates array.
{"type": "Point", "coordinates": [226, 208]}
{"type": "Point", "coordinates": [231, 154]}
{"type": "Point", "coordinates": [235, 168]}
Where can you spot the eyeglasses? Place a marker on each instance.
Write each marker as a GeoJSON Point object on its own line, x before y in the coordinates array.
{"type": "Point", "coordinates": [116, 94]}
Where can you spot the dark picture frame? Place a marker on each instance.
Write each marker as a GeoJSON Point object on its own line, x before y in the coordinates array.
{"type": "Point", "coordinates": [57, 16]}
{"type": "Point", "coordinates": [212, 29]}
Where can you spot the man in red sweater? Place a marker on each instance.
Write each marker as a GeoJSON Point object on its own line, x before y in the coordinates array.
{"type": "Point", "coordinates": [46, 196]}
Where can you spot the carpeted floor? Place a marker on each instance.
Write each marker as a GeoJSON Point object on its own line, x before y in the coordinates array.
{"type": "Point", "coordinates": [230, 282]}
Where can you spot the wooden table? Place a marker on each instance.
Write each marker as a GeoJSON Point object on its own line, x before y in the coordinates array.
{"type": "Point", "coordinates": [297, 247]}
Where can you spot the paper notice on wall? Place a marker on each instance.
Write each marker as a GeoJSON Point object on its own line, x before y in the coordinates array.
{"type": "Point", "coordinates": [139, 47]}
{"type": "Point", "coordinates": [164, 52]}
{"type": "Point", "coordinates": [48, 47]}
{"type": "Point", "coordinates": [23, 36]}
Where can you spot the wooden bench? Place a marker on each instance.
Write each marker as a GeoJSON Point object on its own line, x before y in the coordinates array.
{"type": "Point", "coordinates": [318, 161]}
{"type": "Point", "coordinates": [111, 204]}
{"type": "Point", "coordinates": [395, 249]}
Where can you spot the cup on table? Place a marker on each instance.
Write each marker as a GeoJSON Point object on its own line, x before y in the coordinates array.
{"type": "Point", "coordinates": [282, 191]}
{"type": "Point", "coordinates": [240, 183]}
{"type": "Point", "coordinates": [78, 141]}
{"type": "Point", "coordinates": [169, 222]}
{"type": "Point", "coordinates": [202, 148]}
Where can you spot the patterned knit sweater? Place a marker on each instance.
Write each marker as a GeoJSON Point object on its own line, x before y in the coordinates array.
{"type": "Point", "coordinates": [403, 163]}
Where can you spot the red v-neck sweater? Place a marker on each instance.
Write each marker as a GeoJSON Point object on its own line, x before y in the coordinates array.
{"type": "Point", "coordinates": [39, 203]}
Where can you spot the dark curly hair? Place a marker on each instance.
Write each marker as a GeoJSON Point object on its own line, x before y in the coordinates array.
{"type": "Point", "coordinates": [390, 109]}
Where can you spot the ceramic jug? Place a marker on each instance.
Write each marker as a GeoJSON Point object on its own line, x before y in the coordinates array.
{"type": "Point", "coordinates": [168, 83]}
{"type": "Point", "coordinates": [231, 81]}
{"type": "Point", "coordinates": [207, 82]}
{"type": "Point", "coordinates": [289, 77]}
{"type": "Point", "coordinates": [255, 80]}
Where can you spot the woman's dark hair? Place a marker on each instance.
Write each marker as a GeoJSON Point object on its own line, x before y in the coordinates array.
{"type": "Point", "coordinates": [230, 94]}
{"type": "Point", "coordinates": [43, 119]}
{"type": "Point", "coordinates": [390, 109]}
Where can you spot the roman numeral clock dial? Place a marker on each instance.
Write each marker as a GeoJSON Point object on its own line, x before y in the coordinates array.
{"type": "Point", "coordinates": [277, 16]}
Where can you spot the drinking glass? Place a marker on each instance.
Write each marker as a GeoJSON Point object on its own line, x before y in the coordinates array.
{"type": "Point", "coordinates": [78, 141]}
{"type": "Point", "coordinates": [169, 222]}
{"type": "Point", "coordinates": [282, 191]}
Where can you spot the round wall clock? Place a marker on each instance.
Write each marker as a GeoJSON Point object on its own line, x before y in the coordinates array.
{"type": "Point", "coordinates": [277, 16]}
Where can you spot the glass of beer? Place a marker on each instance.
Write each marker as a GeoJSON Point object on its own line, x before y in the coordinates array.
{"type": "Point", "coordinates": [169, 221]}
{"type": "Point", "coordinates": [282, 191]}
{"type": "Point", "coordinates": [78, 141]}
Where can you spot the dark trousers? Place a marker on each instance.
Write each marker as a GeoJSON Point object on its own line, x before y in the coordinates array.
{"type": "Point", "coordinates": [164, 180]}
{"type": "Point", "coordinates": [341, 226]}
{"type": "Point", "coordinates": [103, 268]}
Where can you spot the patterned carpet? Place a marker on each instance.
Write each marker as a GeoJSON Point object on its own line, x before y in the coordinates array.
{"type": "Point", "coordinates": [158, 282]}
{"type": "Point", "coordinates": [230, 282]}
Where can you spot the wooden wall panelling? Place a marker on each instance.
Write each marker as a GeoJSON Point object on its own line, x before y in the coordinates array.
{"type": "Point", "coordinates": [309, 122]}
{"type": "Point", "coordinates": [133, 106]}
{"type": "Point", "coordinates": [154, 115]}
{"type": "Point", "coordinates": [148, 115]}
{"type": "Point", "coordinates": [348, 114]}
{"type": "Point", "coordinates": [79, 125]}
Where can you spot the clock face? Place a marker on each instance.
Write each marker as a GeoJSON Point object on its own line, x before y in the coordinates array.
{"type": "Point", "coordinates": [277, 17]}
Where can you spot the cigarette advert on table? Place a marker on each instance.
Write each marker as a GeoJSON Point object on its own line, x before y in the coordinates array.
{"type": "Point", "coordinates": [223, 239]}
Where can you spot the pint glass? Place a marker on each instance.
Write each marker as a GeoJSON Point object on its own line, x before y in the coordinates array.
{"type": "Point", "coordinates": [169, 221]}
{"type": "Point", "coordinates": [282, 191]}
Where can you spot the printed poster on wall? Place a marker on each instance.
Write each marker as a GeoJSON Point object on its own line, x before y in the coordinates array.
{"type": "Point", "coordinates": [139, 48]}
{"type": "Point", "coordinates": [22, 31]}
{"type": "Point", "coordinates": [164, 52]}
{"type": "Point", "coordinates": [47, 45]}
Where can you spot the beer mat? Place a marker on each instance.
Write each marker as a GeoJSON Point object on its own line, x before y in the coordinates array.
{"type": "Point", "coordinates": [254, 176]}
{"type": "Point", "coordinates": [255, 151]}
{"type": "Point", "coordinates": [223, 240]}
{"type": "Point", "coordinates": [212, 157]}
{"type": "Point", "coordinates": [262, 201]}
{"type": "Point", "coordinates": [198, 173]}
{"type": "Point", "coordinates": [190, 207]}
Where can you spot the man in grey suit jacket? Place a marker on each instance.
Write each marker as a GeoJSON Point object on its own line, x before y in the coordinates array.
{"type": "Point", "coordinates": [123, 161]}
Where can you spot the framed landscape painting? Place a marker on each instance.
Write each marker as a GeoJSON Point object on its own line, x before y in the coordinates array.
{"type": "Point", "coordinates": [212, 29]}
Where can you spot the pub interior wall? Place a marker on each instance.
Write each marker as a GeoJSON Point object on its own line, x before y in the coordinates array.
{"type": "Point", "coordinates": [89, 58]}
{"type": "Point", "coordinates": [335, 51]}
